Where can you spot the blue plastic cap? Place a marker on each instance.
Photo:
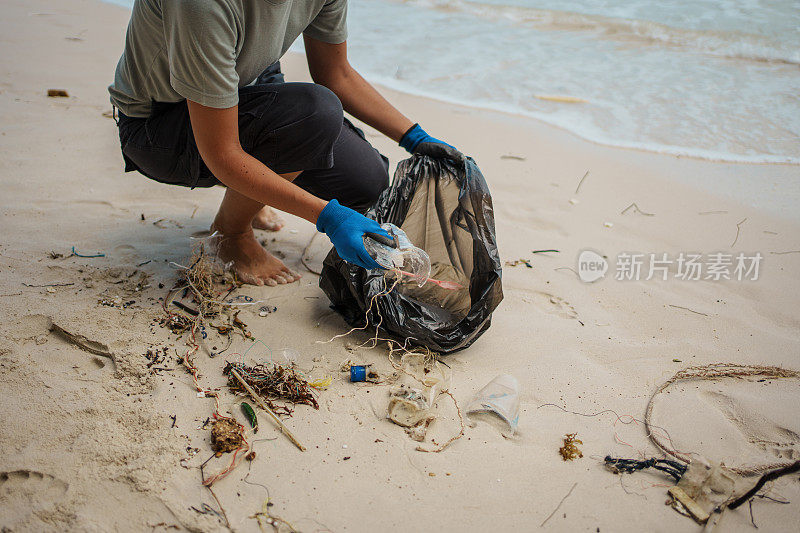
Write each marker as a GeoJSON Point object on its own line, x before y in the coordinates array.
{"type": "Point", "coordinates": [358, 373]}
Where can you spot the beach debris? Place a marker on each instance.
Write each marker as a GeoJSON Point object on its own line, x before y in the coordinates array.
{"type": "Point", "coordinates": [251, 416]}
{"type": "Point", "coordinates": [574, 201]}
{"type": "Point", "coordinates": [636, 210]}
{"type": "Point", "coordinates": [608, 224]}
{"type": "Point", "coordinates": [57, 93]}
{"type": "Point", "coordinates": [714, 371]}
{"type": "Point", "coordinates": [91, 346]}
{"type": "Point", "coordinates": [250, 456]}
{"type": "Point", "coordinates": [520, 261]}
{"type": "Point", "coordinates": [411, 402]}
{"type": "Point", "coordinates": [786, 252]}
{"type": "Point", "coordinates": [265, 518]}
{"type": "Point", "coordinates": [687, 309]}
{"type": "Point", "coordinates": [559, 504]}
{"type": "Point", "coordinates": [420, 430]}
{"type": "Point", "coordinates": [514, 157]}
{"type": "Point", "coordinates": [273, 382]}
{"type": "Point", "coordinates": [87, 256]}
{"type": "Point", "coordinates": [569, 451]}
{"type": "Point", "coordinates": [263, 405]}
{"type": "Point", "coordinates": [738, 229]}
{"type": "Point", "coordinates": [501, 397]}
{"type": "Point", "coordinates": [264, 310]}
{"type": "Point", "coordinates": [703, 488]}
{"type": "Point", "coordinates": [162, 223]}
{"type": "Point", "coordinates": [548, 251]}
{"type": "Point", "coordinates": [177, 324]}
{"type": "Point", "coordinates": [692, 508]}
{"type": "Point", "coordinates": [578, 188]}
{"type": "Point", "coordinates": [409, 406]}
{"type": "Point", "coordinates": [226, 435]}
{"type": "Point", "coordinates": [769, 476]}
{"type": "Point", "coordinates": [360, 373]}
{"type": "Point", "coordinates": [156, 356]}
{"type": "Point", "coordinates": [629, 466]}
{"type": "Point", "coordinates": [560, 98]}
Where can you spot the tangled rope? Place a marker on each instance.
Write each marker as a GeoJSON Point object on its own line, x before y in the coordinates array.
{"type": "Point", "coordinates": [673, 468]}
{"type": "Point", "coordinates": [712, 372]}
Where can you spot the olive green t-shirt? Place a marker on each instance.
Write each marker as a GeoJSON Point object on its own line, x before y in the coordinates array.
{"type": "Point", "coordinates": [204, 50]}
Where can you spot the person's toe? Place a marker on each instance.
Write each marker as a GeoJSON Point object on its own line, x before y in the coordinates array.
{"type": "Point", "coordinates": [290, 275]}
{"type": "Point", "coordinates": [280, 279]}
{"type": "Point", "coordinates": [271, 282]}
{"type": "Point", "coordinates": [246, 277]}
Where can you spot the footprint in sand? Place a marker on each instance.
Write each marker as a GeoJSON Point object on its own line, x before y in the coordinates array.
{"type": "Point", "coordinates": [551, 304]}
{"type": "Point", "coordinates": [23, 492]}
{"type": "Point", "coordinates": [756, 428]}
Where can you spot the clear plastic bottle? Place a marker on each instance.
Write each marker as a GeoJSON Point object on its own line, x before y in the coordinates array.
{"type": "Point", "coordinates": [407, 258]}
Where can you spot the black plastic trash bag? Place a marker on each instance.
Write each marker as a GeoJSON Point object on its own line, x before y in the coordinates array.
{"type": "Point", "coordinates": [445, 208]}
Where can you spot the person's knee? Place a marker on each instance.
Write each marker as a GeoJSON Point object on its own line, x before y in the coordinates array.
{"type": "Point", "coordinates": [324, 112]}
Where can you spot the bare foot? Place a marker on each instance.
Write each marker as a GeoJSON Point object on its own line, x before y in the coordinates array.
{"type": "Point", "coordinates": [251, 262]}
{"type": "Point", "coordinates": [267, 219]}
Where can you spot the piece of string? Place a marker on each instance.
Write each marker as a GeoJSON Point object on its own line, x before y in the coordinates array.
{"type": "Point", "coordinates": [712, 372]}
{"type": "Point", "coordinates": [303, 258]}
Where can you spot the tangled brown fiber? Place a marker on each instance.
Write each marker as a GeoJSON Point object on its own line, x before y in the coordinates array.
{"type": "Point", "coordinates": [203, 277]}
{"type": "Point", "coordinates": [717, 371]}
{"type": "Point", "coordinates": [273, 382]}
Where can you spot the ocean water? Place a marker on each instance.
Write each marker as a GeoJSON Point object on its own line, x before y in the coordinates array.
{"type": "Point", "coordinates": [716, 79]}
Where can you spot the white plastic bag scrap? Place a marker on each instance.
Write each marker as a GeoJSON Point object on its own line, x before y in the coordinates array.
{"type": "Point", "coordinates": [501, 397]}
{"type": "Point", "coordinates": [411, 402]}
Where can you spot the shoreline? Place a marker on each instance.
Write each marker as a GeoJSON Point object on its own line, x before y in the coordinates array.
{"type": "Point", "coordinates": [742, 182]}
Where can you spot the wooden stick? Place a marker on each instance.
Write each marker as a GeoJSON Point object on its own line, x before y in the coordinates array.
{"type": "Point", "coordinates": [266, 408]}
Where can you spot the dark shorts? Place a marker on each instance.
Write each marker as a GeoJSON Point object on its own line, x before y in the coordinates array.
{"type": "Point", "coordinates": [289, 127]}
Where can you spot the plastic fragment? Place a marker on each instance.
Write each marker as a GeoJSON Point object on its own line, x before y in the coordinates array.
{"type": "Point", "coordinates": [251, 416]}
{"type": "Point", "coordinates": [501, 397]}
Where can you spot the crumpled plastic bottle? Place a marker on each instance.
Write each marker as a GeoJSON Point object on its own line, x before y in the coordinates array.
{"type": "Point", "coordinates": [409, 259]}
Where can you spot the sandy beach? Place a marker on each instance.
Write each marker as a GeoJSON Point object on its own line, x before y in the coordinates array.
{"type": "Point", "coordinates": [98, 440]}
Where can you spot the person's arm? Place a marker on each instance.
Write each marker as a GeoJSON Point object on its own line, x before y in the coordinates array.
{"type": "Point", "coordinates": [329, 66]}
{"type": "Point", "coordinates": [216, 133]}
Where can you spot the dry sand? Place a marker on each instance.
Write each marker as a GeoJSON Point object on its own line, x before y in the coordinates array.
{"type": "Point", "coordinates": [87, 440]}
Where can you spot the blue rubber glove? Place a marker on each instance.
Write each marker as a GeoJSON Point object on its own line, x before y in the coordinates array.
{"type": "Point", "coordinates": [346, 228]}
{"type": "Point", "coordinates": [417, 141]}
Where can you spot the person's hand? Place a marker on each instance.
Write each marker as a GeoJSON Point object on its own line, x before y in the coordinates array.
{"type": "Point", "coordinates": [346, 228]}
{"type": "Point", "coordinates": [417, 141]}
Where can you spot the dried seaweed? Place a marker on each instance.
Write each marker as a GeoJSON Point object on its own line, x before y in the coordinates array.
{"type": "Point", "coordinates": [226, 435]}
{"type": "Point", "coordinates": [273, 382]}
{"type": "Point", "coordinates": [569, 451]}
